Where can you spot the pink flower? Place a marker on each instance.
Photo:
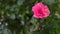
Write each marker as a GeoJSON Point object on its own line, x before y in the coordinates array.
{"type": "Point", "coordinates": [40, 10]}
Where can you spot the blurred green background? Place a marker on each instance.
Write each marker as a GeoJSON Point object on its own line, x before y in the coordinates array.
{"type": "Point", "coordinates": [16, 17]}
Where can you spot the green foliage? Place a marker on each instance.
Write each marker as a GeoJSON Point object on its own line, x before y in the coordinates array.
{"type": "Point", "coordinates": [19, 17]}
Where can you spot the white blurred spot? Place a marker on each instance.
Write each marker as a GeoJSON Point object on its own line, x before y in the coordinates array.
{"type": "Point", "coordinates": [6, 24]}
{"type": "Point", "coordinates": [0, 23]}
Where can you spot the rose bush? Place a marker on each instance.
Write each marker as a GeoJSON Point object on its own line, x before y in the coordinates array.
{"type": "Point", "coordinates": [16, 17]}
